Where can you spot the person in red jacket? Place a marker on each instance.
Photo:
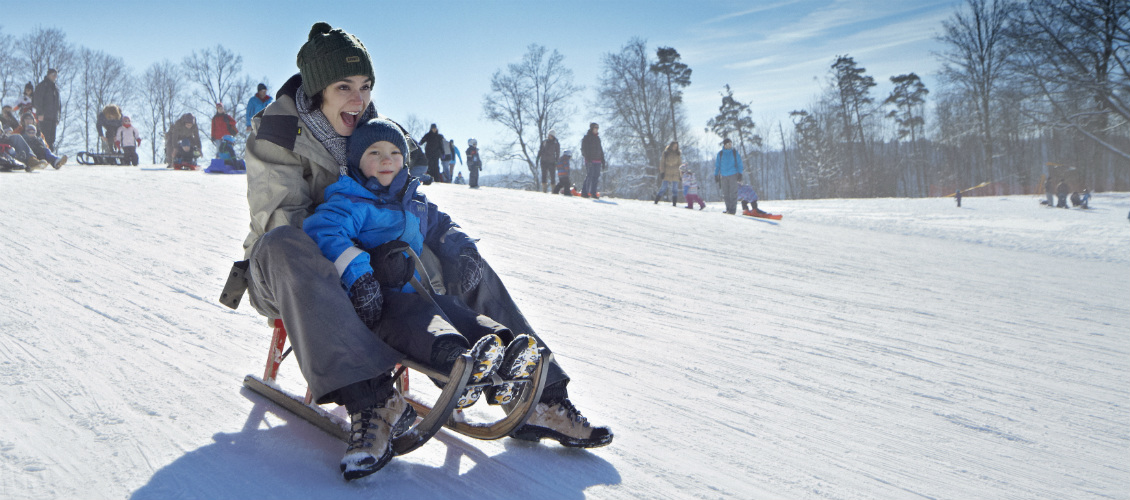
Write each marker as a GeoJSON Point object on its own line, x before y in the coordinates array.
{"type": "Point", "coordinates": [222, 124]}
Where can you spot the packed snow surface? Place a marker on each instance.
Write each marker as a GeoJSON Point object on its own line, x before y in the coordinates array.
{"type": "Point", "coordinates": [856, 349]}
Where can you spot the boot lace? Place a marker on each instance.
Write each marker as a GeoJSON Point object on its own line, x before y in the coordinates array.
{"type": "Point", "coordinates": [566, 407]}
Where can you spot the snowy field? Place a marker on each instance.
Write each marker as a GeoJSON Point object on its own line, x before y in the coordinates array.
{"type": "Point", "coordinates": [857, 349]}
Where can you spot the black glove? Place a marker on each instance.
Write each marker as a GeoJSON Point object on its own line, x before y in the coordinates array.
{"type": "Point", "coordinates": [367, 300]}
{"type": "Point", "coordinates": [718, 180]}
{"type": "Point", "coordinates": [739, 176]}
{"type": "Point", "coordinates": [391, 267]}
{"type": "Point", "coordinates": [470, 269]}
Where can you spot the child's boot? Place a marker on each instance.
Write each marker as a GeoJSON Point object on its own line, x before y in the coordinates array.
{"type": "Point", "coordinates": [519, 362]}
{"type": "Point", "coordinates": [487, 354]}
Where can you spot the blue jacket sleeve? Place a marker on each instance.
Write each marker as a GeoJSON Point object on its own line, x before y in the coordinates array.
{"type": "Point", "coordinates": [333, 227]}
{"type": "Point", "coordinates": [718, 165]}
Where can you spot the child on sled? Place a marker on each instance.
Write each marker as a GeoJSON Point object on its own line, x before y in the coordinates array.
{"type": "Point", "coordinates": [371, 217]}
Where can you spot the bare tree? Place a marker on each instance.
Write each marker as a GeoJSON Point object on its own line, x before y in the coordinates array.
{"type": "Point", "coordinates": [9, 68]}
{"type": "Point", "coordinates": [1075, 55]}
{"type": "Point", "coordinates": [529, 99]}
{"type": "Point", "coordinates": [216, 72]}
{"type": "Point", "coordinates": [633, 98]}
{"type": "Point", "coordinates": [44, 49]}
{"type": "Point", "coordinates": [162, 89]}
{"type": "Point", "coordinates": [974, 60]}
{"type": "Point", "coordinates": [102, 79]}
{"type": "Point", "coordinates": [677, 74]}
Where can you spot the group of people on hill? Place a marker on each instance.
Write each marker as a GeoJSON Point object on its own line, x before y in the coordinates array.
{"type": "Point", "coordinates": [672, 173]}
{"type": "Point", "coordinates": [1063, 193]}
{"type": "Point", "coordinates": [441, 153]}
{"type": "Point", "coordinates": [27, 129]}
{"type": "Point", "coordinates": [557, 163]}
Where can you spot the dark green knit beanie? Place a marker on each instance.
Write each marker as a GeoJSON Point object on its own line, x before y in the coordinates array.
{"type": "Point", "coordinates": [330, 55]}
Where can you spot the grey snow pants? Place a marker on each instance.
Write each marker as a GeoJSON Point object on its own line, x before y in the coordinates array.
{"type": "Point", "coordinates": [289, 278]}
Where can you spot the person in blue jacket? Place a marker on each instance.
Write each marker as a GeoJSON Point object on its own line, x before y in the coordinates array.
{"type": "Point", "coordinates": [728, 174]}
{"type": "Point", "coordinates": [371, 217]}
{"type": "Point", "coordinates": [257, 103]}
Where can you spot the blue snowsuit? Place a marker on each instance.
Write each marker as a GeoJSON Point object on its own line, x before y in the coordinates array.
{"type": "Point", "coordinates": [356, 218]}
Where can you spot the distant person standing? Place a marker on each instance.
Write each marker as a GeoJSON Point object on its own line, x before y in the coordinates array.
{"type": "Point", "coordinates": [433, 142]}
{"type": "Point", "coordinates": [669, 175]}
{"type": "Point", "coordinates": [547, 157]}
{"type": "Point", "coordinates": [593, 152]}
{"type": "Point", "coordinates": [222, 124]}
{"type": "Point", "coordinates": [1048, 190]}
{"type": "Point", "coordinates": [957, 196]}
{"type": "Point", "coordinates": [128, 139]}
{"type": "Point", "coordinates": [474, 162]}
{"type": "Point", "coordinates": [1061, 191]}
{"type": "Point", "coordinates": [451, 154]}
{"type": "Point", "coordinates": [257, 103]}
{"type": "Point", "coordinates": [47, 106]}
{"type": "Point", "coordinates": [564, 186]}
{"type": "Point", "coordinates": [728, 174]}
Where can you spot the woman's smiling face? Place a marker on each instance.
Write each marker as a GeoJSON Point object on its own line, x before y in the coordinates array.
{"type": "Point", "coordinates": [343, 102]}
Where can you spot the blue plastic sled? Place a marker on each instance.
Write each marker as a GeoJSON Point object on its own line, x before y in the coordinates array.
{"type": "Point", "coordinates": [219, 167]}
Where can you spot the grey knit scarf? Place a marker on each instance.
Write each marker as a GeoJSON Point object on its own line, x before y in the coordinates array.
{"type": "Point", "coordinates": [317, 123]}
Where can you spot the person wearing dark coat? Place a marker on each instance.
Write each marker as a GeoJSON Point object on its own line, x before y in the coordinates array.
{"type": "Point", "coordinates": [47, 106]}
{"type": "Point", "coordinates": [108, 123]}
{"type": "Point", "coordinates": [548, 156]}
{"type": "Point", "coordinates": [184, 128]}
{"type": "Point", "coordinates": [433, 142]}
{"type": "Point", "coordinates": [1061, 191]}
{"type": "Point", "coordinates": [593, 152]}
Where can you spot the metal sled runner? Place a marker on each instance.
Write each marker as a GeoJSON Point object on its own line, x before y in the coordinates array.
{"type": "Point", "coordinates": [431, 418]}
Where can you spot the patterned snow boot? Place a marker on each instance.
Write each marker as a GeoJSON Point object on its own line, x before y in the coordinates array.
{"type": "Point", "coordinates": [487, 353]}
{"type": "Point", "coordinates": [519, 362]}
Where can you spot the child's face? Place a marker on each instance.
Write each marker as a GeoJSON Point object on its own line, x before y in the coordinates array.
{"type": "Point", "coordinates": [382, 160]}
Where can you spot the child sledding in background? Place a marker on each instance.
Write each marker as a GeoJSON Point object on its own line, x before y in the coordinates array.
{"type": "Point", "coordinates": [185, 155]}
{"type": "Point", "coordinates": [226, 152]}
{"type": "Point", "coordinates": [127, 139]}
{"type": "Point", "coordinates": [690, 187]}
{"type": "Point", "coordinates": [748, 197]}
{"type": "Point", "coordinates": [563, 185]}
{"type": "Point", "coordinates": [371, 216]}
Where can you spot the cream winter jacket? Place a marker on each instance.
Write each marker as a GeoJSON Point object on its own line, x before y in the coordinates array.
{"type": "Point", "coordinates": [288, 170]}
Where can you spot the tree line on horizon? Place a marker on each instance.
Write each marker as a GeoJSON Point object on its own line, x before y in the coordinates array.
{"type": "Point", "coordinates": [1027, 90]}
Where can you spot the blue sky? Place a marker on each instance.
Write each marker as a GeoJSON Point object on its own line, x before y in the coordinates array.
{"type": "Point", "coordinates": [434, 59]}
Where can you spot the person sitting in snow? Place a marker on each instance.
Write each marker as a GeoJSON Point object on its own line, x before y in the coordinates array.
{"type": "Point", "coordinates": [690, 187]}
{"type": "Point", "coordinates": [226, 152]}
{"type": "Point", "coordinates": [38, 143]}
{"type": "Point", "coordinates": [370, 218]}
{"type": "Point", "coordinates": [459, 179]}
{"type": "Point", "coordinates": [185, 153]}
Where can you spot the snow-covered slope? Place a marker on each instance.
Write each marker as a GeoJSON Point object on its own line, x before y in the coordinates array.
{"type": "Point", "coordinates": [857, 349]}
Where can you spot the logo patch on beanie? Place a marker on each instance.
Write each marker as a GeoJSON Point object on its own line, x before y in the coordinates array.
{"type": "Point", "coordinates": [353, 59]}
